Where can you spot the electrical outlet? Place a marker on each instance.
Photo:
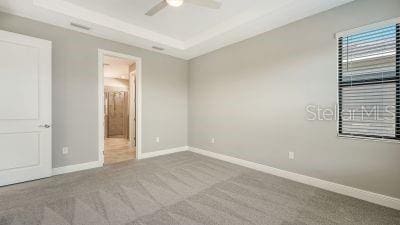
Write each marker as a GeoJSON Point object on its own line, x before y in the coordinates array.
{"type": "Point", "coordinates": [158, 139]}
{"type": "Point", "coordinates": [212, 140]}
{"type": "Point", "coordinates": [291, 155]}
{"type": "Point", "coordinates": [65, 150]}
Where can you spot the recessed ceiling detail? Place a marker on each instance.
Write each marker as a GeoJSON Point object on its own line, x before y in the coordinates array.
{"type": "Point", "coordinates": [185, 32]}
{"type": "Point", "coordinates": [211, 4]}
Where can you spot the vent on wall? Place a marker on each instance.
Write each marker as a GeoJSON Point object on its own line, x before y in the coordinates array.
{"type": "Point", "coordinates": [80, 26]}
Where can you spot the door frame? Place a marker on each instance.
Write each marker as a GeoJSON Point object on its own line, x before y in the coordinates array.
{"type": "Point", "coordinates": [138, 98]}
{"type": "Point", "coordinates": [132, 107]}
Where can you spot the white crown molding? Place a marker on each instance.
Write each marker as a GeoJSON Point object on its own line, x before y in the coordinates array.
{"type": "Point", "coordinates": [280, 16]}
{"type": "Point", "coordinates": [236, 21]}
{"type": "Point", "coordinates": [379, 199]}
{"type": "Point", "coordinates": [247, 24]}
{"type": "Point", "coordinates": [78, 12]}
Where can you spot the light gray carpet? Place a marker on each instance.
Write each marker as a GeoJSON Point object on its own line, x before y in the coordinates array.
{"type": "Point", "coordinates": [183, 188]}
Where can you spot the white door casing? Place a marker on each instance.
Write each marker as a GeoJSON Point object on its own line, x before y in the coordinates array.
{"type": "Point", "coordinates": [132, 115]}
{"type": "Point", "coordinates": [138, 100]}
{"type": "Point", "coordinates": [25, 108]}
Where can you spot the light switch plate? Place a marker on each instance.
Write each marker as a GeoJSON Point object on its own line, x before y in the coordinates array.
{"type": "Point", "coordinates": [65, 150]}
{"type": "Point", "coordinates": [291, 155]}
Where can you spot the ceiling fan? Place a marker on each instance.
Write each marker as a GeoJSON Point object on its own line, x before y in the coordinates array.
{"type": "Point", "coordinates": [212, 4]}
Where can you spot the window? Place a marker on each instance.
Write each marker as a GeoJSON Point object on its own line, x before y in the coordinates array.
{"type": "Point", "coordinates": [369, 84]}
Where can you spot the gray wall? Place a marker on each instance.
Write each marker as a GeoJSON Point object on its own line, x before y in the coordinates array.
{"type": "Point", "coordinates": [75, 85]}
{"type": "Point", "coordinates": [251, 96]}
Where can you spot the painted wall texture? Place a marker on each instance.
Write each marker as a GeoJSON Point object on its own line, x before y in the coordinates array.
{"type": "Point", "coordinates": [252, 97]}
{"type": "Point", "coordinates": [75, 91]}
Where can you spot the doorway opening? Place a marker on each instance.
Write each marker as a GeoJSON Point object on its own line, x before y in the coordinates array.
{"type": "Point", "coordinates": [120, 107]}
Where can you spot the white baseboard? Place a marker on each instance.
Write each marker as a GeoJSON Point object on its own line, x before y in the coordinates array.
{"type": "Point", "coordinates": [379, 199]}
{"type": "Point", "coordinates": [163, 152]}
{"type": "Point", "coordinates": [96, 164]}
{"type": "Point", "coordinates": [77, 167]}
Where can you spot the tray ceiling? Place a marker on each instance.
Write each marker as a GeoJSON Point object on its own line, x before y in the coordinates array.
{"type": "Point", "coordinates": [185, 32]}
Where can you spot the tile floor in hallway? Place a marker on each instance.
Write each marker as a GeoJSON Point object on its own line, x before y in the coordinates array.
{"type": "Point", "coordinates": [117, 150]}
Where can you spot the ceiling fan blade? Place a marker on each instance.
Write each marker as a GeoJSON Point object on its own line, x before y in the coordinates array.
{"type": "Point", "coordinates": [157, 8]}
{"type": "Point", "coordinates": [212, 4]}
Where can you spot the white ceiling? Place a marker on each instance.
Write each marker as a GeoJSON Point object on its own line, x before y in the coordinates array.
{"type": "Point", "coordinates": [180, 23]}
{"type": "Point", "coordinates": [116, 67]}
{"type": "Point", "coordinates": [185, 32]}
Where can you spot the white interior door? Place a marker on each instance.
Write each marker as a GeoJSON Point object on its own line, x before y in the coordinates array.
{"type": "Point", "coordinates": [132, 111]}
{"type": "Point", "coordinates": [25, 108]}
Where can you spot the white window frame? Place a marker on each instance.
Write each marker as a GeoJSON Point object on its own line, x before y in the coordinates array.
{"type": "Point", "coordinates": [354, 31]}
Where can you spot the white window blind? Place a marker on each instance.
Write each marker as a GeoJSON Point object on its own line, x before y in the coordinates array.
{"type": "Point", "coordinates": [369, 83]}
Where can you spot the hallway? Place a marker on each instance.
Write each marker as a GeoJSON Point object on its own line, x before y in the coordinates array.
{"type": "Point", "coordinates": [117, 150]}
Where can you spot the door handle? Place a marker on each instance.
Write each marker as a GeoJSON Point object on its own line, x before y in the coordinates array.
{"type": "Point", "coordinates": [44, 126]}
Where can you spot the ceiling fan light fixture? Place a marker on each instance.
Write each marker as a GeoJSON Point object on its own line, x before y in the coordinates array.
{"type": "Point", "coordinates": [175, 3]}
